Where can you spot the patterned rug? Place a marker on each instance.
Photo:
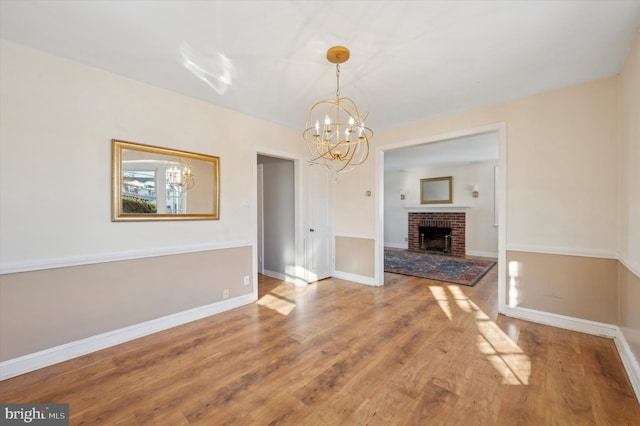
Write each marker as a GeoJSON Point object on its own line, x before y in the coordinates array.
{"type": "Point", "coordinates": [455, 270]}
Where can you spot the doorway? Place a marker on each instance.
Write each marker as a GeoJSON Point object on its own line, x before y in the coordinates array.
{"type": "Point", "coordinates": [276, 248]}
{"type": "Point", "coordinates": [500, 130]}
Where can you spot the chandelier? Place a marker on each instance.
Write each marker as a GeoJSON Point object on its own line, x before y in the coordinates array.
{"type": "Point", "coordinates": [180, 178]}
{"type": "Point", "coordinates": [335, 132]}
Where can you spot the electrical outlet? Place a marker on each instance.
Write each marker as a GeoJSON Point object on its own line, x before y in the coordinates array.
{"type": "Point", "coordinates": [225, 293]}
{"type": "Point", "coordinates": [246, 280]}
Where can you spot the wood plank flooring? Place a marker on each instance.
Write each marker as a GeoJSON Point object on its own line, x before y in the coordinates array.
{"type": "Point", "coordinates": [414, 352]}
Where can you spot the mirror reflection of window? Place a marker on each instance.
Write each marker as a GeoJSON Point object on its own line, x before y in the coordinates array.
{"type": "Point", "coordinates": [139, 191]}
{"type": "Point", "coordinates": [176, 190]}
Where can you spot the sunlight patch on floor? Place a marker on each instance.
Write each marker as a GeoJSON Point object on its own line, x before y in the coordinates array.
{"type": "Point", "coordinates": [461, 300]}
{"type": "Point", "coordinates": [505, 356]}
{"type": "Point", "coordinates": [443, 300]}
{"type": "Point", "coordinates": [276, 303]}
{"type": "Point", "coordinates": [508, 359]}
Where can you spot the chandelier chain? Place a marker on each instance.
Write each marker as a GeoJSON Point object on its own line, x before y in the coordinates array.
{"type": "Point", "coordinates": [337, 80]}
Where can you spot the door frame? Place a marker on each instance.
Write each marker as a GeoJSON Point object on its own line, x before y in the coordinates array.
{"type": "Point", "coordinates": [296, 275]}
{"type": "Point", "coordinates": [499, 128]}
{"type": "Point", "coordinates": [260, 217]}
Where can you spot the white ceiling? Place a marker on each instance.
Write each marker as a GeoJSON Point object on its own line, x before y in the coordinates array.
{"type": "Point", "coordinates": [464, 150]}
{"type": "Point", "coordinates": [410, 60]}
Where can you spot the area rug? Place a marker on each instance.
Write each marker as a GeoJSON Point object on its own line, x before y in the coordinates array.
{"type": "Point", "coordinates": [436, 267]}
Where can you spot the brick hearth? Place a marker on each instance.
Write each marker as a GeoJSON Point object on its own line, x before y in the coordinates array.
{"type": "Point", "coordinates": [458, 229]}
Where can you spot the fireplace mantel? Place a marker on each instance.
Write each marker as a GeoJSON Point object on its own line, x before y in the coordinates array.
{"type": "Point", "coordinates": [426, 208]}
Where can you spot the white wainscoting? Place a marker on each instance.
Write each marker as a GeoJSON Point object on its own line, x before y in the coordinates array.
{"type": "Point", "coordinates": [114, 257]}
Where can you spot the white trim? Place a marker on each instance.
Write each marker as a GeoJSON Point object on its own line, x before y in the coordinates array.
{"type": "Point", "coordinates": [360, 279]}
{"type": "Point", "coordinates": [634, 268]}
{"type": "Point", "coordinates": [482, 253]}
{"type": "Point", "coordinates": [417, 208]}
{"type": "Point", "coordinates": [502, 215]}
{"type": "Point", "coordinates": [563, 321]}
{"type": "Point", "coordinates": [115, 257]}
{"type": "Point", "coordinates": [403, 246]}
{"type": "Point", "coordinates": [299, 184]}
{"type": "Point", "coordinates": [604, 254]}
{"type": "Point", "coordinates": [67, 351]}
{"type": "Point", "coordinates": [500, 128]}
{"type": "Point", "coordinates": [614, 332]}
{"type": "Point", "coordinates": [629, 362]}
{"type": "Point", "coordinates": [348, 235]}
{"type": "Point", "coordinates": [277, 275]}
{"type": "Point", "coordinates": [489, 128]}
{"type": "Point", "coordinates": [284, 277]}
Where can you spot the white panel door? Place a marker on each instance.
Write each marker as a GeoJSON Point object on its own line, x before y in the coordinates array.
{"type": "Point", "coordinates": [260, 219]}
{"type": "Point", "coordinates": [319, 223]}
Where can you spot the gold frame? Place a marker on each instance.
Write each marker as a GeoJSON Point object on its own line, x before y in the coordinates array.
{"type": "Point", "coordinates": [116, 183]}
{"type": "Point", "coordinates": [425, 199]}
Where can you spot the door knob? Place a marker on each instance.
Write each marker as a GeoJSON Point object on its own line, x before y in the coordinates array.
{"type": "Point", "coordinates": [311, 230]}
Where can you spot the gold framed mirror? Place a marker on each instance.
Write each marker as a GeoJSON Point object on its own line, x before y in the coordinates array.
{"type": "Point", "coordinates": [154, 183]}
{"type": "Point", "coordinates": [436, 190]}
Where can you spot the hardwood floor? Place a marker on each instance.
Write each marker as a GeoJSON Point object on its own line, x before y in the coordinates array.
{"type": "Point", "coordinates": [413, 352]}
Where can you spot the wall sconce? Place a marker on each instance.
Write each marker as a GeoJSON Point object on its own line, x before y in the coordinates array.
{"type": "Point", "coordinates": [475, 191]}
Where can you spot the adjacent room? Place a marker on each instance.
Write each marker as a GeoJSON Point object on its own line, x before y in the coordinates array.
{"type": "Point", "coordinates": [320, 212]}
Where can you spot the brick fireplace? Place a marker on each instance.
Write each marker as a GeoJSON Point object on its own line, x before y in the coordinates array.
{"type": "Point", "coordinates": [442, 232]}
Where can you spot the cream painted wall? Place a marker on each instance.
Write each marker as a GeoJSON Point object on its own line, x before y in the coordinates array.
{"type": "Point", "coordinates": [629, 281]}
{"type": "Point", "coordinates": [630, 158]}
{"type": "Point", "coordinates": [58, 119]}
{"type": "Point", "coordinates": [482, 235]}
{"type": "Point", "coordinates": [561, 154]}
{"type": "Point", "coordinates": [355, 211]}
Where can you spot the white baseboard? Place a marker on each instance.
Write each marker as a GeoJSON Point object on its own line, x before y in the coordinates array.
{"type": "Point", "coordinates": [629, 361]}
{"type": "Point", "coordinates": [589, 327]}
{"type": "Point", "coordinates": [360, 279]}
{"type": "Point", "coordinates": [30, 362]}
{"type": "Point", "coordinates": [482, 254]}
{"type": "Point", "coordinates": [286, 278]}
{"type": "Point", "coordinates": [277, 275]}
{"type": "Point", "coordinates": [563, 321]}
{"type": "Point", "coordinates": [404, 246]}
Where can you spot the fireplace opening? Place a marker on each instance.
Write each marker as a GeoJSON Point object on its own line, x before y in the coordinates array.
{"type": "Point", "coordinates": [435, 236]}
{"type": "Point", "coordinates": [437, 232]}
